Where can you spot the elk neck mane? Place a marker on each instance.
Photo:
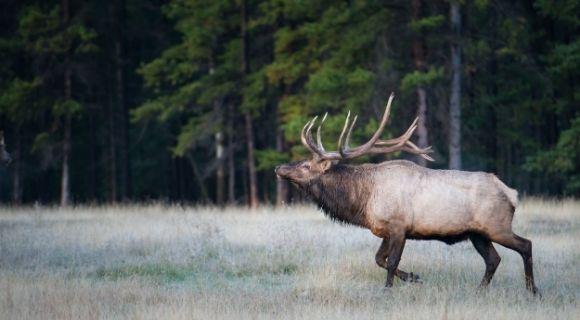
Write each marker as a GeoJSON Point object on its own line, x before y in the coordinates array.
{"type": "Point", "coordinates": [342, 193]}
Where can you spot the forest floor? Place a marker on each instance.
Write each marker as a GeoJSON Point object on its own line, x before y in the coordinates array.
{"type": "Point", "coordinates": [157, 262]}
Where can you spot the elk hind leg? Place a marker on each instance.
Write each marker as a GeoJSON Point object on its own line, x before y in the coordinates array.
{"type": "Point", "coordinates": [485, 248]}
{"type": "Point", "coordinates": [381, 259]}
{"type": "Point", "coordinates": [524, 247]}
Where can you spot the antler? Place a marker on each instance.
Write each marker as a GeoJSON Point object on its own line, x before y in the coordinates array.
{"type": "Point", "coordinates": [317, 150]}
{"type": "Point", "coordinates": [373, 146]}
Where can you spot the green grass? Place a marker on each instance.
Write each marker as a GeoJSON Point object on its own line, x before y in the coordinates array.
{"type": "Point", "coordinates": [167, 272]}
{"type": "Point", "coordinates": [164, 272]}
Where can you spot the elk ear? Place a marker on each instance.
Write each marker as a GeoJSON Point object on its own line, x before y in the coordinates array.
{"type": "Point", "coordinates": [325, 165]}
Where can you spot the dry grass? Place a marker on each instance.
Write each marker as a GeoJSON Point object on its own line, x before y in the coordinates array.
{"type": "Point", "coordinates": [161, 262]}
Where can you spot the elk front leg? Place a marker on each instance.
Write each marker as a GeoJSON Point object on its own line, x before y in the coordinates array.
{"type": "Point", "coordinates": [396, 246]}
{"type": "Point", "coordinates": [381, 259]}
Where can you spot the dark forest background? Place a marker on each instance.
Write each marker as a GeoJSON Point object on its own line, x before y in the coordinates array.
{"type": "Point", "coordinates": [197, 100]}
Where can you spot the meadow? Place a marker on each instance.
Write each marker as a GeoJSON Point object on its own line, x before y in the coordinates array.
{"type": "Point", "coordinates": [171, 262]}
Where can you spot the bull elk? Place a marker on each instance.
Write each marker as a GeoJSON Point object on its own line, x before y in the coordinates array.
{"type": "Point", "coordinates": [399, 200]}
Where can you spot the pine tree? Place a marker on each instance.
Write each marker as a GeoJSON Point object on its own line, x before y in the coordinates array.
{"type": "Point", "coordinates": [57, 41]}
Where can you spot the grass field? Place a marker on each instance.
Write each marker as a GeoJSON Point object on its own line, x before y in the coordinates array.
{"type": "Point", "coordinates": [159, 262]}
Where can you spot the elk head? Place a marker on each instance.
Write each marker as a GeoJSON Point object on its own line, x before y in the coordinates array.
{"type": "Point", "coordinates": [303, 172]}
{"type": "Point", "coordinates": [5, 157]}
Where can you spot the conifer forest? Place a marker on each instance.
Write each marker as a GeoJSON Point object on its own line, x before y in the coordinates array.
{"type": "Point", "coordinates": [196, 101]}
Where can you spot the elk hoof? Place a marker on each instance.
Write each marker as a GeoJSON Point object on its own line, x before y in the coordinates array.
{"type": "Point", "coordinates": [410, 277]}
{"type": "Point", "coordinates": [536, 292]}
{"type": "Point", "coordinates": [481, 288]}
{"type": "Point", "coordinates": [414, 278]}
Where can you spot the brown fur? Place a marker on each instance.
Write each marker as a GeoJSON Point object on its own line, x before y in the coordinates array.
{"type": "Point", "coordinates": [342, 193]}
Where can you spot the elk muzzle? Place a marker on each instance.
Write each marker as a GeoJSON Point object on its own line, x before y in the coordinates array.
{"type": "Point", "coordinates": [282, 171]}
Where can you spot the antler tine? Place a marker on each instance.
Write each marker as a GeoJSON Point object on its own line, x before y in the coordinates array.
{"type": "Point", "coordinates": [362, 149]}
{"type": "Point", "coordinates": [415, 147]}
{"type": "Point", "coordinates": [345, 146]}
{"type": "Point", "coordinates": [303, 134]}
{"type": "Point", "coordinates": [404, 143]}
{"type": "Point", "coordinates": [306, 137]}
{"type": "Point", "coordinates": [403, 137]}
{"type": "Point", "coordinates": [344, 128]}
{"type": "Point", "coordinates": [420, 151]}
{"type": "Point", "coordinates": [307, 140]}
{"type": "Point", "coordinates": [407, 147]}
{"type": "Point", "coordinates": [318, 135]}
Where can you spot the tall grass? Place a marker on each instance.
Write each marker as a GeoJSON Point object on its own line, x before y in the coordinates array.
{"type": "Point", "coordinates": [159, 262]}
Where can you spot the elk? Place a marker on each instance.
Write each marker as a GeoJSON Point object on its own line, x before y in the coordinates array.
{"type": "Point", "coordinates": [399, 200]}
{"type": "Point", "coordinates": [5, 157]}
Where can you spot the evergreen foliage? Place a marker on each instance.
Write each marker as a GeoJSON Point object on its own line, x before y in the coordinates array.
{"type": "Point", "coordinates": [174, 70]}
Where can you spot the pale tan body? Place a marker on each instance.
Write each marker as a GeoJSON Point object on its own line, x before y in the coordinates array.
{"type": "Point", "coordinates": [435, 203]}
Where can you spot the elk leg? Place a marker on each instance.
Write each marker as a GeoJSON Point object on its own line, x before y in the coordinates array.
{"type": "Point", "coordinates": [524, 248]}
{"type": "Point", "coordinates": [381, 259]}
{"type": "Point", "coordinates": [396, 246]}
{"type": "Point", "coordinates": [489, 255]}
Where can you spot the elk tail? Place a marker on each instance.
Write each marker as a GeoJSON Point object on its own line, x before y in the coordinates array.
{"type": "Point", "coordinates": [510, 193]}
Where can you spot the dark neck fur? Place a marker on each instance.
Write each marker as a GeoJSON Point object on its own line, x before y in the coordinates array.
{"type": "Point", "coordinates": [342, 193]}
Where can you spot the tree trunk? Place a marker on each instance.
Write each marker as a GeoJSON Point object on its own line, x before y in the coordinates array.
{"type": "Point", "coordinates": [112, 160]}
{"type": "Point", "coordinates": [266, 188]}
{"type": "Point", "coordinates": [119, 18]}
{"type": "Point", "coordinates": [17, 167]}
{"type": "Point", "coordinates": [252, 176]}
{"type": "Point", "coordinates": [179, 163]}
{"type": "Point", "coordinates": [93, 157]}
{"type": "Point", "coordinates": [422, 130]}
{"type": "Point", "coordinates": [421, 66]}
{"type": "Point", "coordinates": [220, 173]}
{"type": "Point", "coordinates": [198, 179]}
{"type": "Point", "coordinates": [219, 144]}
{"type": "Point", "coordinates": [231, 154]}
{"type": "Point", "coordinates": [244, 182]}
{"type": "Point", "coordinates": [66, 145]}
{"type": "Point", "coordinates": [281, 184]}
{"type": "Point", "coordinates": [65, 182]}
{"type": "Point", "coordinates": [455, 99]}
